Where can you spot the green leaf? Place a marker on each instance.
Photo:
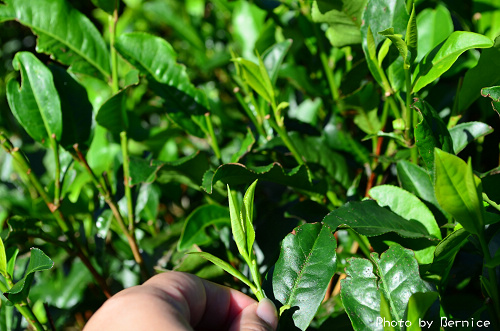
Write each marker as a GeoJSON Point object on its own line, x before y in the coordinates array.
{"type": "Point", "coordinates": [38, 262]}
{"type": "Point", "coordinates": [188, 170]}
{"type": "Point", "coordinates": [316, 151]}
{"type": "Point", "coordinates": [155, 57]}
{"type": "Point", "coordinates": [247, 23]}
{"type": "Point", "coordinates": [236, 174]}
{"type": "Point", "coordinates": [493, 93]}
{"type": "Point", "coordinates": [385, 313]}
{"type": "Point", "coordinates": [416, 180]}
{"type": "Point", "coordinates": [63, 32]}
{"type": "Point", "coordinates": [35, 103]}
{"type": "Point", "coordinates": [273, 58]}
{"type": "Point", "coordinates": [485, 73]}
{"type": "Point", "coordinates": [113, 115]}
{"type": "Point", "coordinates": [227, 267]}
{"type": "Point", "coordinates": [464, 133]}
{"type": "Point", "coordinates": [406, 205]}
{"type": "Point", "coordinates": [343, 18]}
{"type": "Point", "coordinates": [442, 57]}
{"type": "Point", "coordinates": [246, 147]}
{"type": "Point", "coordinates": [430, 132]}
{"type": "Point", "coordinates": [395, 276]}
{"type": "Point", "coordinates": [168, 14]}
{"type": "Point", "coordinates": [247, 216]}
{"type": "Point", "coordinates": [304, 269]}
{"type": "Point", "coordinates": [411, 38]}
{"type": "Point", "coordinates": [76, 110]}
{"type": "Point", "coordinates": [369, 219]}
{"type": "Point", "coordinates": [418, 305]}
{"type": "Point", "coordinates": [3, 259]}
{"type": "Point", "coordinates": [252, 75]}
{"type": "Point", "coordinates": [459, 191]}
{"type": "Point", "coordinates": [238, 225]}
{"type": "Point", "coordinates": [445, 253]}
{"type": "Point", "coordinates": [378, 15]}
{"type": "Point", "coordinates": [434, 26]}
{"type": "Point", "coordinates": [202, 217]}
{"type": "Point", "coordinates": [398, 41]}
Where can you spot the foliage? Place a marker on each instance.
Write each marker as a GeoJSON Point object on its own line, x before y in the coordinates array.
{"type": "Point", "coordinates": [364, 133]}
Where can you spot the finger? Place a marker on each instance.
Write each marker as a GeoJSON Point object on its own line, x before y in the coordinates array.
{"type": "Point", "coordinates": [257, 317]}
{"type": "Point", "coordinates": [200, 302]}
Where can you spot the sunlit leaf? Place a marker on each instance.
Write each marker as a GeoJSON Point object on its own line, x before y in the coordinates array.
{"type": "Point", "coordinates": [35, 103]}
{"type": "Point", "coordinates": [442, 57]}
{"type": "Point", "coordinates": [459, 191]}
{"type": "Point", "coordinates": [63, 32]}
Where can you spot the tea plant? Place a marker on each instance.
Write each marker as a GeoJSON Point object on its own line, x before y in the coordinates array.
{"type": "Point", "coordinates": [367, 124]}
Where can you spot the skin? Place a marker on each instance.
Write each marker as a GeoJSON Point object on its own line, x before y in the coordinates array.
{"type": "Point", "coordinates": [177, 301]}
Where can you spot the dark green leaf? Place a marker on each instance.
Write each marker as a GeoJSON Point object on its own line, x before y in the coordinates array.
{"type": "Point", "coordinates": [459, 191]}
{"type": "Point", "coordinates": [188, 170]}
{"type": "Point", "coordinates": [107, 5]}
{"type": "Point", "coordinates": [196, 223]}
{"type": "Point", "coordinates": [35, 103]}
{"type": "Point", "coordinates": [76, 110]}
{"type": "Point", "coordinates": [395, 276]}
{"type": "Point", "coordinates": [430, 132]}
{"type": "Point", "coordinates": [442, 57]}
{"type": "Point", "coordinates": [63, 32]}
{"type": "Point", "coordinates": [445, 252]}
{"type": "Point", "coordinates": [368, 218]}
{"type": "Point", "coordinates": [304, 269]}
{"type": "Point", "coordinates": [463, 133]}
{"type": "Point", "coordinates": [235, 174]}
{"type": "Point", "coordinates": [113, 115]}
{"type": "Point", "coordinates": [156, 58]}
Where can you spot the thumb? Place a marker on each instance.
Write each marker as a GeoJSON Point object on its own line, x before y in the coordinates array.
{"type": "Point", "coordinates": [260, 316]}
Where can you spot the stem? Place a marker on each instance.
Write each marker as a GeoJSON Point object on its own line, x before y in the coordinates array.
{"type": "Point", "coordinates": [491, 202]}
{"type": "Point", "coordinates": [409, 117]}
{"type": "Point", "coordinates": [256, 279]}
{"type": "Point", "coordinates": [106, 194]}
{"type": "Point", "coordinates": [113, 20]}
{"type": "Point", "coordinates": [57, 182]}
{"type": "Point", "coordinates": [66, 228]}
{"type": "Point", "coordinates": [328, 71]}
{"type": "Point", "coordinates": [126, 180]}
{"type": "Point", "coordinates": [213, 139]}
{"type": "Point", "coordinates": [492, 277]}
{"type": "Point", "coordinates": [23, 306]}
{"type": "Point", "coordinates": [286, 140]}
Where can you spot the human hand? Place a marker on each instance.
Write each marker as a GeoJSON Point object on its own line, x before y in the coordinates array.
{"type": "Point", "coordinates": [175, 301]}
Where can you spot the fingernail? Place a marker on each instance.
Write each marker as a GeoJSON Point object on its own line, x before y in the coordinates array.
{"type": "Point", "coordinates": [267, 312]}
